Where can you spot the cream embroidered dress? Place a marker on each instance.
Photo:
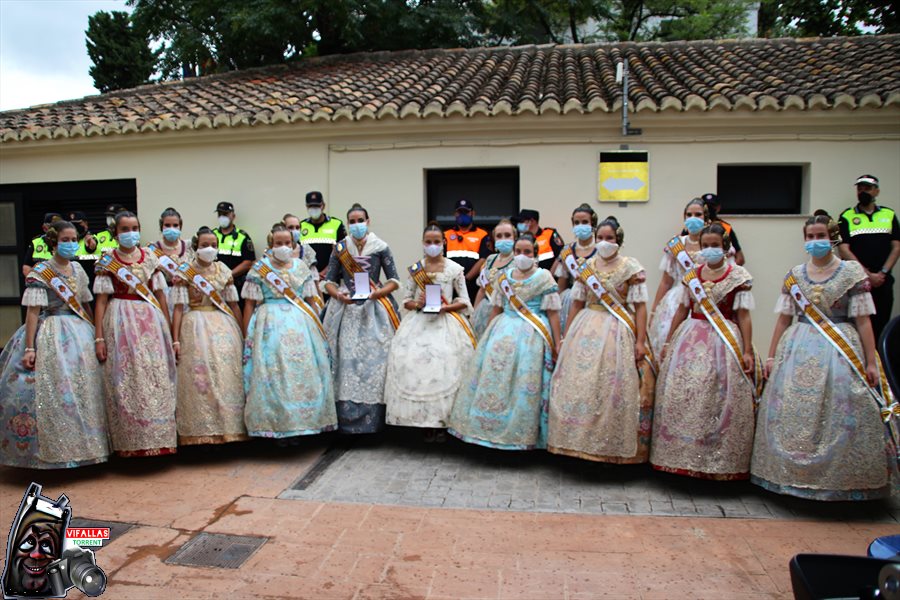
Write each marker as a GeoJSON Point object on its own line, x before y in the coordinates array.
{"type": "Point", "coordinates": [139, 372]}
{"type": "Point", "coordinates": [53, 417]}
{"type": "Point", "coordinates": [181, 254]}
{"type": "Point", "coordinates": [819, 434]}
{"type": "Point", "coordinates": [597, 409]}
{"type": "Point", "coordinates": [429, 355]}
{"type": "Point", "coordinates": [703, 419]}
{"type": "Point", "coordinates": [210, 406]}
{"type": "Point", "coordinates": [563, 271]}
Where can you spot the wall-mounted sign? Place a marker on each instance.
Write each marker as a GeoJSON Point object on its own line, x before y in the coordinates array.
{"type": "Point", "coordinates": [624, 176]}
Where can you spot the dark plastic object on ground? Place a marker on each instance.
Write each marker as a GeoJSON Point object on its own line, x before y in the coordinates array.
{"type": "Point", "coordinates": [823, 576]}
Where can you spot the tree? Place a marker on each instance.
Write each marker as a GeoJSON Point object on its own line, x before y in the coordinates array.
{"type": "Point", "coordinates": [121, 53]}
{"type": "Point", "coordinates": [825, 18]}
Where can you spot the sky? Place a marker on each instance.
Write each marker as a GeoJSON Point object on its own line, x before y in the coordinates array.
{"type": "Point", "coordinates": [43, 57]}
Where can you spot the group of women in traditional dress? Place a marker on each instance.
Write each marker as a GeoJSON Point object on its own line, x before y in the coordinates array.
{"type": "Point", "coordinates": [575, 364]}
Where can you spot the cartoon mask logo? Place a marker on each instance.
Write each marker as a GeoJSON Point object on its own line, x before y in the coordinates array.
{"type": "Point", "coordinates": [35, 541]}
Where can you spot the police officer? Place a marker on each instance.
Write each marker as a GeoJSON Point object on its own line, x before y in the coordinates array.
{"type": "Point", "coordinates": [320, 231]}
{"type": "Point", "coordinates": [870, 235]}
{"type": "Point", "coordinates": [548, 240]}
{"type": "Point", "coordinates": [107, 237]}
{"type": "Point", "coordinates": [235, 246]}
{"type": "Point", "coordinates": [713, 204]}
{"type": "Point", "coordinates": [467, 245]}
{"type": "Point", "coordinates": [38, 249]}
{"type": "Point", "coordinates": [88, 252]}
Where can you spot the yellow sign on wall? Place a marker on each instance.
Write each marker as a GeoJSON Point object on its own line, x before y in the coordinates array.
{"type": "Point", "coordinates": [624, 181]}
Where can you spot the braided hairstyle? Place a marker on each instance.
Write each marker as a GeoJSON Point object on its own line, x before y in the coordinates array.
{"type": "Point", "coordinates": [270, 237]}
{"type": "Point", "coordinates": [195, 241]}
{"type": "Point", "coordinates": [823, 218]}
{"type": "Point", "coordinates": [612, 223]}
{"type": "Point", "coordinates": [586, 208]}
{"type": "Point", "coordinates": [718, 229]}
{"type": "Point", "coordinates": [357, 207]}
{"type": "Point", "coordinates": [53, 231]}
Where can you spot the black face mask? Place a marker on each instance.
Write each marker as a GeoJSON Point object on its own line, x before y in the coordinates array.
{"type": "Point", "coordinates": [865, 198]}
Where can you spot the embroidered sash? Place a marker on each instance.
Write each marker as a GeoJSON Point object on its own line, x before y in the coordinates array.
{"type": "Point", "coordinates": [280, 286]}
{"type": "Point", "coordinates": [354, 267]}
{"type": "Point", "coordinates": [56, 283]}
{"type": "Point", "coordinates": [680, 253]}
{"type": "Point", "coordinates": [822, 324]}
{"type": "Point", "coordinates": [484, 278]}
{"type": "Point", "coordinates": [421, 277]}
{"type": "Point", "coordinates": [523, 311]}
{"type": "Point", "coordinates": [121, 272]}
{"type": "Point", "coordinates": [165, 261]}
{"type": "Point", "coordinates": [188, 272]}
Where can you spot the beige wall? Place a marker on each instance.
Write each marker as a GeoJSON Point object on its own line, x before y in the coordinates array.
{"type": "Point", "coordinates": [266, 171]}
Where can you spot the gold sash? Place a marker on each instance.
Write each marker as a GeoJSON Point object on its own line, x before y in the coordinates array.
{"type": "Point", "coordinates": [353, 267]}
{"type": "Point", "coordinates": [484, 278]}
{"type": "Point", "coordinates": [121, 272]}
{"type": "Point", "coordinates": [421, 277]}
{"type": "Point", "coordinates": [56, 283]}
{"type": "Point", "coordinates": [523, 311]}
{"type": "Point", "coordinates": [170, 266]}
{"type": "Point", "coordinates": [187, 272]}
{"type": "Point", "coordinates": [280, 286]}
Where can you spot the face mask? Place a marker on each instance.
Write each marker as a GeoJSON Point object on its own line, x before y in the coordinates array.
{"type": "Point", "coordinates": [224, 221]}
{"type": "Point", "coordinates": [504, 246]}
{"type": "Point", "coordinates": [464, 219]}
{"type": "Point", "coordinates": [523, 263]}
{"type": "Point", "coordinates": [583, 232]}
{"type": "Point", "coordinates": [208, 254]}
{"type": "Point", "coordinates": [865, 198]}
{"type": "Point", "coordinates": [282, 253]}
{"type": "Point", "coordinates": [712, 255]}
{"type": "Point", "coordinates": [606, 249]}
{"type": "Point", "coordinates": [693, 225]}
{"type": "Point", "coordinates": [522, 227]}
{"type": "Point", "coordinates": [171, 234]}
{"type": "Point", "coordinates": [67, 249]}
{"type": "Point", "coordinates": [295, 234]}
{"type": "Point", "coordinates": [110, 221]}
{"type": "Point", "coordinates": [818, 248]}
{"type": "Point", "coordinates": [358, 230]}
{"type": "Point", "coordinates": [129, 239]}
{"type": "Point", "coordinates": [433, 250]}
{"type": "Point", "coordinates": [314, 213]}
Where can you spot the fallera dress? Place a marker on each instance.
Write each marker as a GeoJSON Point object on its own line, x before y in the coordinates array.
{"type": "Point", "coordinates": [482, 312]}
{"type": "Point", "coordinates": [566, 295]}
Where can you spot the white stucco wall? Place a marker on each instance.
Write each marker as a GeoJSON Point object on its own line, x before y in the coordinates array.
{"type": "Point", "coordinates": [266, 171]}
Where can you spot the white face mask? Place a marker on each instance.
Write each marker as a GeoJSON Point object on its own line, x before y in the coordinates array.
{"type": "Point", "coordinates": [523, 263]}
{"type": "Point", "coordinates": [110, 221]}
{"type": "Point", "coordinates": [208, 254]}
{"type": "Point", "coordinates": [282, 253]}
{"type": "Point", "coordinates": [606, 249]}
{"type": "Point", "coordinates": [224, 221]}
{"type": "Point", "coordinates": [433, 250]}
{"type": "Point", "coordinates": [314, 213]}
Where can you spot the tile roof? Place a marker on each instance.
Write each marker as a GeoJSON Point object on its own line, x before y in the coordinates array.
{"type": "Point", "coordinates": [781, 74]}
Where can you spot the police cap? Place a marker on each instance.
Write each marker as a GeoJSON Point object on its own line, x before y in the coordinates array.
{"type": "Point", "coordinates": [224, 207]}
{"type": "Point", "coordinates": [867, 180]}
{"type": "Point", "coordinates": [314, 199]}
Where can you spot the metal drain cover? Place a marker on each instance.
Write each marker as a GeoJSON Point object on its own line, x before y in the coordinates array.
{"type": "Point", "coordinates": [216, 550]}
{"type": "Point", "coordinates": [115, 529]}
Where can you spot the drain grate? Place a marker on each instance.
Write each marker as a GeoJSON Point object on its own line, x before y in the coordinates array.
{"type": "Point", "coordinates": [115, 529]}
{"type": "Point", "coordinates": [326, 460]}
{"type": "Point", "coordinates": [216, 550]}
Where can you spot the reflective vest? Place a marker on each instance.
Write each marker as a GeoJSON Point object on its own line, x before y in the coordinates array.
{"type": "Point", "coordinates": [326, 233]}
{"type": "Point", "coordinates": [545, 250]}
{"type": "Point", "coordinates": [84, 255]}
{"type": "Point", "coordinates": [859, 223]}
{"type": "Point", "coordinates": [105, 239]}
{"type": "Point", "coordinates": [40, 249]}
{"type": "Point", "coordinates": [231, 244]}
{"type": "Point", "coordinates": [464, 244]}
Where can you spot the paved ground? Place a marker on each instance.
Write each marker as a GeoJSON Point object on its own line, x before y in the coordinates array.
{"type": "Point", "coordinates": [357, 551]}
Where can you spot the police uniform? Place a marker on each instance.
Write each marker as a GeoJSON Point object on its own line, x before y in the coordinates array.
{"type": "Point", "coordinates": [235, 248]}
{"type": "Point", "coordinates": [322, 237]}
{"type": "Point", "coordinates": [105, 239]}
{"type": "Point", "coordinates": [549, 246]}
{"type": "Point", "coordinates": [870, 239]}
{"type": "Point", "coordinates": [38, 251]}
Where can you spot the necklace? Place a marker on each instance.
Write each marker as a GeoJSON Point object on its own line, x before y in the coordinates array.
{"type": "Point", "coordinates": [813, 267]}
{"type": "Point", "coordinates": [714, 272]}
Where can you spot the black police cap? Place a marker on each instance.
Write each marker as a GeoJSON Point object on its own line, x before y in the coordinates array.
{"type": "Point", "coordinates": [77, 215]}
{"type": "Point", "coordinates": [51, 217]}
{"type": "Point", "coordinates": [526, 214]}
{"type": "Point", "coordinates": [314, 199]}
{"type": "Point", "coordinates": [224, 207]}
{"type": "Point", "coordinates": [464, 205]}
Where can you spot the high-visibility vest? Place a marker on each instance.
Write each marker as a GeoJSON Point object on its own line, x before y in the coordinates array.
{"type": "Point", "coordinates": [326, 233]}
{"type": "Point", "coordinates": [40, 249]}
{"type": "Point", "coordinates": [230, 244]}
{"type": "Point", "coordinates": [105, 239]}
{"type": "Point", "coordinates": [464, 244]}
{"type": "Point", "coordinates": [545, 249]}
{"type": "Point", "coordinates": [859, 223]}
{"type": "Point", "coordinates": [83, 255]}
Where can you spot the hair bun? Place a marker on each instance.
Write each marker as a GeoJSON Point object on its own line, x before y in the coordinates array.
{"type": "Point", "coordinates": [821, 212]}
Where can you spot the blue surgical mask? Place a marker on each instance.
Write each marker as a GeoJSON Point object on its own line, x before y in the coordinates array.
{"type": "Point", "coordinates": [464, 219]}
{"type": "Point", "coordinates": [693, 225]}
{"type": "Point", "coordinates": [504, 246]}
{"type": "Point", "coordinates": [583, 231]}
{"type": "Point", "coordinates": [522, 227]}
{"type": "Point", "coordinates": [358, 230]}
{"type": "Point", "coordinates": [129, 239]}
{"type": "Point", "coordinates": [712, 256]}
{"type": "Point", "coordinates": [67, 249]}
{"type": "Point", "coordinates": [818, 248]}
{"type": "Point", "coordinates": [295, 234]}
{"type": "Point", "coordinates": [172, 234]}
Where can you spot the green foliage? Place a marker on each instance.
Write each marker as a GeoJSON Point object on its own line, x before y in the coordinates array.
{"type": "Point", "coordinates": [121, 54]}
{"type": "Point", "coordinates": [824, 18]}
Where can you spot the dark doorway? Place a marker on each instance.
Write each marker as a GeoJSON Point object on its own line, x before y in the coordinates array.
{"type": "Point", "coordinates": [494, 192]}
{"type": "Point", "coordinates": [760, 189]}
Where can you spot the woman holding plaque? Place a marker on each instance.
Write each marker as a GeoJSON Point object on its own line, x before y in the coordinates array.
{"type": "Point", "coordinates": [502, 402]}
{"type": "Point", "coordinates": [135, 344]}
{"type": "Point", "coordinates": [601, 399]}
{"type": "Point", "coordinates": [434, 344]}
{"type": "Point", "coordinates": [287, 376]}
{"type": "Point", "coordinates": [208, 346]}
{"type": "Point", "coordinates": [51, 385]}
{"type": "Point", "coordinates": [361, 323]}
{"type": "Point", "coordinates": [504, 237]}
{"type": "Point", "coordinates": [819, 431]}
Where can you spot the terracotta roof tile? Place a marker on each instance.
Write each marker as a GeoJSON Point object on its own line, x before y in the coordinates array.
{"type": "Point", "coordinates": [783, 74]}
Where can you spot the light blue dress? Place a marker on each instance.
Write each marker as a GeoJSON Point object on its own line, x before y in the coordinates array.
{"type": "Point", "coordinates": [503, 400]}
{"type": "Point", "coordinates": [482, 312]}
{"type": "Point", "coordinates": [287, 369]}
